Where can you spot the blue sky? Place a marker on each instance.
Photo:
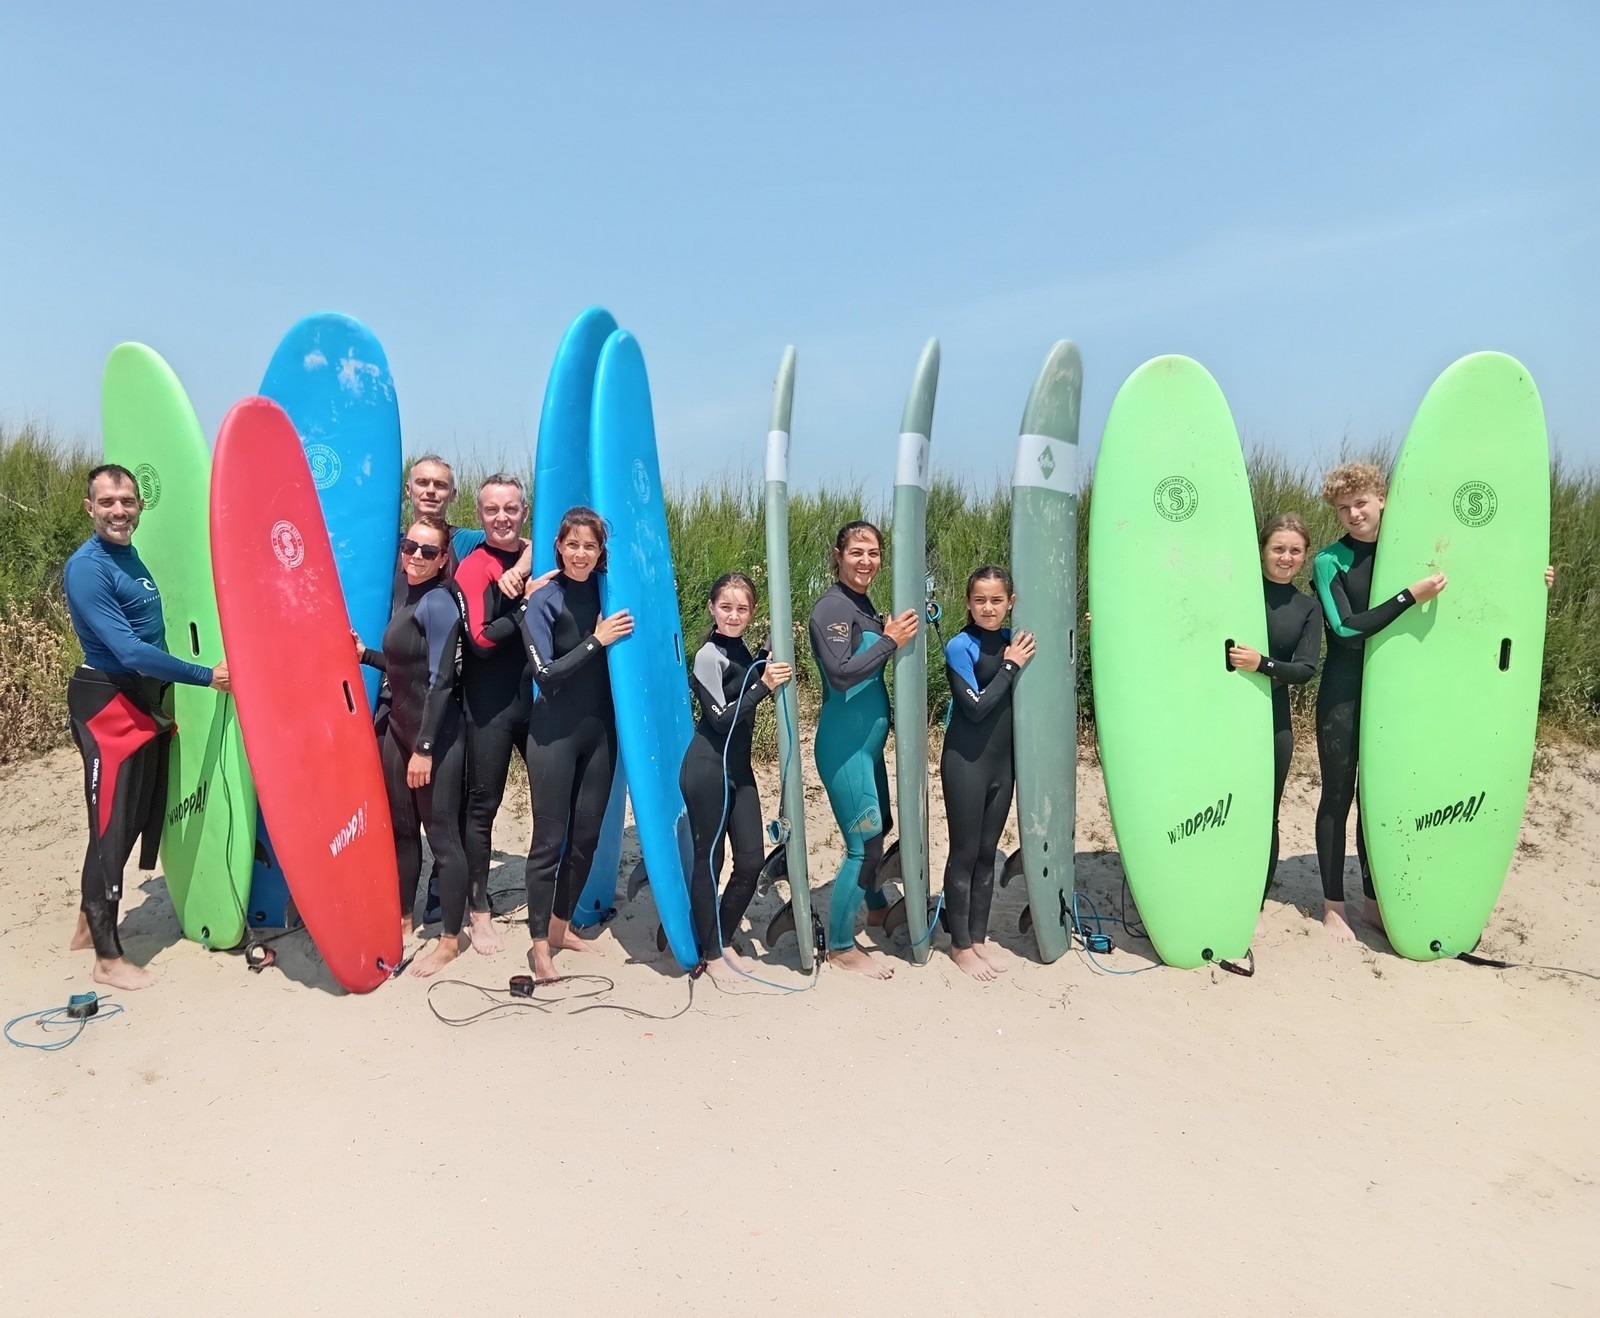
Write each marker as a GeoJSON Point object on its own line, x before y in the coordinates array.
{"type": "Point", "coordinates": [1324, 204]}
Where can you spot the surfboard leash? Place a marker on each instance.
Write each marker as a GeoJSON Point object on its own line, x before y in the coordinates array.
{"type": "Point", "coordinates": [1473, 959]}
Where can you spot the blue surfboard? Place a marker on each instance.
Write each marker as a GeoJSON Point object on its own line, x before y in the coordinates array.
{"type": "Point", "coordinates": [560, 482]}
{"type": "Point", "coordinates": [332, 378]}
{"type": "Point", "coordinates": [649, 680]}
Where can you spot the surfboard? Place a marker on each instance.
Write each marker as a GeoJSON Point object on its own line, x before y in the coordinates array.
{"type": "Point", "coordinates": [331, 376]}
{"type": "Point", "coordinates": [560, 482]}
{"type": "Point", "coordinates": [908, 535]}
{"type": "Point", "coordinates": [1044, 567]}
{"type": "Point", "coordinates": [1185, 741]}
{"type": "Point", "coordinates": [208, 836]}
{"type": "Point", "coordinates": [297, 685]}
{"type": "Point", "coordinates": [649, 680]}
{"type": "Point", "coordinates": [1450, 690]}
{"type": "Point", "coordinates": [781, 625]}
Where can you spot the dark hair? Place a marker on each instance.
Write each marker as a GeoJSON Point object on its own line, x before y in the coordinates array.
{"type": "Point", "coordinates": [435, 523]}
{"type": "Point", "coordinates": [570, 521]}
{"type": "Point", "coordinates": [848, 532]}
{"type": "Point", "coordinates": [118, 474]}
{"type": "Point", "coordinates": [721, 584]}
{"type": "Point", "coordinates": [1285, 522]}
{"type": "Point", "coordinates": [989, 572]}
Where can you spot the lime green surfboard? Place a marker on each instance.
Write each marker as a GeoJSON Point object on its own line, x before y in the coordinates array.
{"type": "Point", "coordinates": [208, 838]}
{"type": "Point", "coordinates": [1450, 691]}
{"type": "Point", "coordinates": [1185, 742]}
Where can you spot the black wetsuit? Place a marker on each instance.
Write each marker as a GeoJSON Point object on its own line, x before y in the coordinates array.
{"type": "Point", "coordinates": [1343, 575]}
{"type": "Point", "coordinates": [420, 648]}
{"type": "Point", "coordinates": [495, 697]}
{"type": "Point", "coordinates": [1294, 644]}
{"type": "Point", "coordinates": [977, 774]}
{"type": "Point", "coordinates": [572, 744]}
{"type": "Point", "coordinates": [717, 678]}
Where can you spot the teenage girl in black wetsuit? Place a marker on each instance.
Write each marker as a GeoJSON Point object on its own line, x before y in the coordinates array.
{"type": "Point", "coordinates": [982, 661]}
{"type": "Point", "coordinates": [719, 677]}
{"type": "Point", "coordinates": [572, 732]}
{"type": "Point", "coordinates": [1294, 644]}
{"type": "Point", "coordinates": [423, 742]}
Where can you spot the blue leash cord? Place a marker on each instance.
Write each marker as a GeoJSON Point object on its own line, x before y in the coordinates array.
{"type": "Point", "coordinates": [56, 1018]}
{"type": "Point", "coordinates": [1085, 951]}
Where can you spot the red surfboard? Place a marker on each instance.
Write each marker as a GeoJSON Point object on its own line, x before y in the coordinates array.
{"type": "Point", "coordinates": [302, 709]}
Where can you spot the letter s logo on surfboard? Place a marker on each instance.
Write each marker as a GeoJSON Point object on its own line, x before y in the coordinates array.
{"type": "Point", "coordinates": [1475, 504]}
{"type": "Point", "coordinates": [288, 545]}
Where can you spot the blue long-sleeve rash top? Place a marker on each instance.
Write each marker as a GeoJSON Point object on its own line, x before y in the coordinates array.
{"type": "Point", "coordinates": [116, 611]}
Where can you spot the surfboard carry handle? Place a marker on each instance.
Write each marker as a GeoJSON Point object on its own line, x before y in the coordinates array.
{"type": "Point", "coordinates": [1505, 655]}
{"type": "Point", "coordinates": [349, 700]}
{"type": "Point", "coordinates": [1227, 645]}
{"type": "Point", "coordinates": [194, 640]}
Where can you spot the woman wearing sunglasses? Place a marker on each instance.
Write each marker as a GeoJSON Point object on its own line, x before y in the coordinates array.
{"type": "Point", "coordinates": [423, 747]}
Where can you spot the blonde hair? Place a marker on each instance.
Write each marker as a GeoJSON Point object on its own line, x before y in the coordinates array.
{"type": "Point", "coordinates": [1352, 478]}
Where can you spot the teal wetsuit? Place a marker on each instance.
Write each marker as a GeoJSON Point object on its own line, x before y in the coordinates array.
{"type": "Point", "coordinates": [852, 651]}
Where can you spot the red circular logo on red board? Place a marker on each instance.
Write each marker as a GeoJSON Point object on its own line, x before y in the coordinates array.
{"type": "Point", "coordinates": [288, 545]}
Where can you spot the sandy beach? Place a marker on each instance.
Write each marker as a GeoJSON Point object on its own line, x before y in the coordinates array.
{"type": "Point", "coordinates": [1346, 1132]}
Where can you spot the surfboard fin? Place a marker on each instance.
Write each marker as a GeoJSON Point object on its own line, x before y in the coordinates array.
{"type": "Point", "coordinates": [1010, 866]}
{"type": "Point", "coordinates": [781, 923]}
{"type": "Point", "coordinates": [889, 867]}
{"type": "Point", "coordinates": [636, 880]}
{"type": "Point", "coordinates": [661, 938]}
{"type": "Point", "coordinates": [775, 867]}
{"type": "Point", "coordinates": [895, 919]}
{"type": "Point", "coordinates": [1025, 922]}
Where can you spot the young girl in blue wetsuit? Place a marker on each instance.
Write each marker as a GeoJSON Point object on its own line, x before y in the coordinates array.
{"type": "Point", "coordinates": [982, 661]}
{"type": "Point", "coordinates": [852, 645]}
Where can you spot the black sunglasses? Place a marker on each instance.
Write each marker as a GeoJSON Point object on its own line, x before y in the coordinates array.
{"type": "Point", "coordinates": [408, 547]}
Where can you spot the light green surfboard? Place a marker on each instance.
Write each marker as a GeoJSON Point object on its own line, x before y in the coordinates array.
{"type": "Point", "coordinates": [782, 624]}
{"type": "Point", "coordinates": [1044, 566]}
{"type": "Point", "coordinates": [1450, 691]}
{"type": "Point", "coordinates": [1185, 743]}
{"type": "Point", "coordinates": [909, 569]}
{"type": "Point", "coordinates": [208, 839]}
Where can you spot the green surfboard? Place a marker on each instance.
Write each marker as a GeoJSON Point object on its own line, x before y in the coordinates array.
{"type": "Point", "coordinates": [909, 570]}
{"type": "Point", "coordinates": [793, 805]}
{"type": "Point", "coordinates": [1450, 691]}
{"type": "Point", "coordinates": [1044, 566]}
{"type": "Point", "coordinates": [1185, 742]}
{"type": "Point", "coordinates": [208, 838]}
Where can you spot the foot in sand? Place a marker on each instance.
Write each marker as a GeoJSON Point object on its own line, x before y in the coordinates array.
{"type": "Point", "coordinates": [719, 969]}
{"type": "Point", "coordinates": [1372, 915]}
{"type": "Point", "coordinates": [80, 935]}
{"type": "Point", "coordinates": [1334, 922]}
{"type": "Point", "coordinates": [485, 937]}
{"type": "Point", "coordinates": [968, 959]}
{"type": "Point", "coordinates": [446, 948]}
{"type": "Point", "coordinates": [541, 962]}
{"type": "Point", "coordinates": [991, 953]}
{"type": "Point", "coordinates": [863, 963]}
{"type": "Point", "coordinates": [121, 973]}
{"type": "Point", "coordinates": [739, 961]}
{"type": "Point", "coordinates": [564, 938]}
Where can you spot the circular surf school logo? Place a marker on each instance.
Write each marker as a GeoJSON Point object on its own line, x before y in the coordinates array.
{"type": "Point", "coordinates": [288, 545]}
{"type": "Point", "coordinates": [1176, 498]}
{"type": "Point", "coordinates": [1475, 503]}
{"type": "Point", "coordinates": [324, 465]}
{"type": "Point", "coordinates": [641, 480]}
{"type": "Point", "coordinates": [149, 484]}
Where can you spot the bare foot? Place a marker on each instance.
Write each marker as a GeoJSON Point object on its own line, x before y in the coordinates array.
{"type": "Point", "coordinates": [564, 938]}
{"type": "Point", "coordinates": [540, 961]}
{"type": "Point", "coordinates": [80, 935]}
{"type": "Point", "coordinates": [967, 959]}
{"type": "Point", "coordinates": [446, 948]}
{"type": "Point", "coordinates": [739, 961]}
{"type": "Point", "coordinates": [721, 971]}
{"type": "Point", "coordinates": [991, 953]}
{"type": "Point", "coordinates": [1334, 922]}
{"type": "Point", "coordinates": [485, 937]}
{"type": "Point", "coordinates": [863, 963]}
{"type": "Point", "coordinates": [121, 973]}
{"type": "Point", "coordinates": [1372, 915]}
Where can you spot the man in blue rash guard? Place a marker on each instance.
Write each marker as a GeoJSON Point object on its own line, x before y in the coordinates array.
{"type": "Point", "coordinates": [115, 703]}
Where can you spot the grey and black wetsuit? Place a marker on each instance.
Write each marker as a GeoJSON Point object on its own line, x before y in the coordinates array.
{"type": "Point", "coordinates": [1294, 645]}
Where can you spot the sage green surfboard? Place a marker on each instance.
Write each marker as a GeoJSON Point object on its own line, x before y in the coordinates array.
{"type": "Point", "coordinates": [780, 607]}
{"type": "Point", "coordinates": [1185, 742]}
{"type": "Point", "coordinates": [1044, 567]}
{"type": "Point", "coordinates": [909, 571]}
{"type": "Point", "coordinates": [1450, 691]}
{"type": "Point", "coordinates": [208, 838]}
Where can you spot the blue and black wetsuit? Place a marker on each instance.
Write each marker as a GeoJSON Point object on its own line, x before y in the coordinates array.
{"type": "Point", "coordinates": [717, 679]}
{"type": "Point", "coordinates": [1343, 576]}
{"type": "Point", "coordinates": [1294, 645]}
{"type": "Point", "coordinates": [572, 744]}
{"type": "Point", "coordinates": [977, 773]}
{"type": "Point", "coordinates": [419, 657]}
{"type": "Point", "coordinates": [851, 649]}
{"type": "Point", "coordinates": [114, 701]}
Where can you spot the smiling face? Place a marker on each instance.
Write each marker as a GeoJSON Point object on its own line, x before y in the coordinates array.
{"type": "Point", "coordinates": [579, 551]}
{"type": "Point", "coordinates": [1283, 556]}
{"type": "Point", "coordinates": [859, 561]}
{"type": "Point", "coordinates": [1360, 513]}
{"type": "Point", "coordinates": [500, 513]}
{"type": "Point", "coordinates": [731, 610]}
{"type": "Point", "coordinates": [430, 488]}
{"type": "Point", "coordinates": [988, 602]}
{"type": "Point", "coordinates": [414, 548]}
{"type": "Point", "coordinates": [114, 506]}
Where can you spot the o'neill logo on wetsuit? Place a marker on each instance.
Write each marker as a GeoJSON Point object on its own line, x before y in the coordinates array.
{"type": "Point", "coordinates": [1462, 811]}
{"type": "Point", "coordinates": [192, 804]}
{"type": "Point", "coordinates": [1213, 816]}
{"type": "Point", "coordinates": [149, 484]}
{"type": "Point", "coordinates": [1176, 498]}
{"type": "Point", "coordinates": [1475, 503]}
{"type": "Point", "coordinates": [357, 827]}
{"type": "Point", "coordinates": [324, 464]}
{"type": "Point", "coordinates": [288, 545]}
